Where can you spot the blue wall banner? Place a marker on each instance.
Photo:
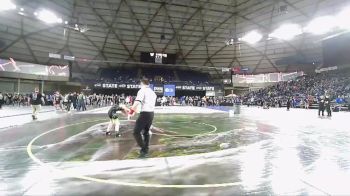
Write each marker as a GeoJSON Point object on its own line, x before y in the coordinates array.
{"type": "Point", "coordinates": [169, 90]}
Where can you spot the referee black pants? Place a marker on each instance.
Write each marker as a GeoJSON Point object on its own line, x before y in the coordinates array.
{"type": "Point", "coordinates": [142, 126]}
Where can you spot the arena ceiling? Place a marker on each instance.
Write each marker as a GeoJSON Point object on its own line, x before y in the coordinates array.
{"type": "Point", "coordinates": [196, 30]}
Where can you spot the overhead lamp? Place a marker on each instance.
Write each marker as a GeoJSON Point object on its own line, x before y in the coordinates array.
{"type": "Point", "coordinates": [343, 17]}
{"type": "Point", "coordinates": [321, 25]}
{"type": "Point", "coordinates": [59, 20]}
{"type": "Point", "coordinates": [7, 5]}
{"type": "Point", "coordinates": [252, 37]}
{"type": "Point", "coordinates": [286, 31]}
{"type": "Point", "coordinates": [48, 17]}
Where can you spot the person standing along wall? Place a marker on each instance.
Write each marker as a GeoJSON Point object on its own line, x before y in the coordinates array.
{"type": "Point", "coordinates": [328, 105]}
{"type": "Point", "coordinates": [288, 104]}
{"type": "Point", "coordinates": [321, 106]}
{"type": "Point", "coordinates": [1, 100]}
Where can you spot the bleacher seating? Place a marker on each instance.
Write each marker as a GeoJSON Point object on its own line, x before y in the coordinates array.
{"type": "Point", "coordinates": [307, 88]}
{"type": "Point", "coordinates": [159, 74]}
{"type": "Point", "coordinates": [193, 77]}
{"type": "Point", "coordinates": [156, 75]}
{"type": "Point", "coordinates": [118, 75]}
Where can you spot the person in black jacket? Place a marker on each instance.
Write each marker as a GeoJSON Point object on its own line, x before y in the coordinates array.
{"type": "Point", "coordinates": [114, 120]}
{"type": "Point", "coordinates": [74, 100]}
{"type": "Point", "coordinates": [35, 100]}
{"type": "Point", "coordinates": [1, 100]}
{"type": "Point", "coordinates": [327, 102]}
{"type": "Point", "coordinates": [321, 106]}
{"type": "Point", "coordinates": [288, 104]}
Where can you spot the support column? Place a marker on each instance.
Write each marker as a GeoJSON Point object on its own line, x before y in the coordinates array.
{"type": "Point", "coordinates": [18, 85]}
{"type": "Point", "coordinates": [42, 87]}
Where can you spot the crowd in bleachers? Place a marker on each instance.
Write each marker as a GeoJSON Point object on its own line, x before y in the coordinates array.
{"type": "Point", "coordinates": [155, 75]}
{"type": "Point", "coordinates": [304, 91]}
{"type": "Point", "coordinates": [193, 78]}
{"type": "Point", "coordinates": [118, 75]}
{"type": "Point", "coordinates": [198, 101]}
{"type": "Point", "coordinates": [159, 75]}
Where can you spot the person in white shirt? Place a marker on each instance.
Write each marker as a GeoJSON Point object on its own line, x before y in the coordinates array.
{"type": "Point", "coordinates": [147, 98]}
{"type": "Point", "coordinates": [163, 101]}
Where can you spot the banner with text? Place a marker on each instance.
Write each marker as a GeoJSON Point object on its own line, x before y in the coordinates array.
{"type": "Point", "coordinates": [159, 89]}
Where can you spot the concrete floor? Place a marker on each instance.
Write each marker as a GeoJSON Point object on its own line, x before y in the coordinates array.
{"type": "Point", "coordinates": [289, 153]}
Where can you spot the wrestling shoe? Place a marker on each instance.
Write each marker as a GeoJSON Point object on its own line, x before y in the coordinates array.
{"type": "Point", "coordinates": [143, 154]}
{"type": "Point", "coordinates": [108, 133]}
{"type": "Point", "coordinates": [118, 135]}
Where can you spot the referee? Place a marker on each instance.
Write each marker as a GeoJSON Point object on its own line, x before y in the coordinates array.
{"type": "Point", "coordinates": [147, 98]}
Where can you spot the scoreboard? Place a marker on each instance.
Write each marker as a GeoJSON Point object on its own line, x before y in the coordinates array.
{"type": "Point", "coordinates": [158, 58]}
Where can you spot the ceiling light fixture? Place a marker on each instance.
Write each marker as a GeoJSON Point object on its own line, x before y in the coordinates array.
{"type": "Point", "coordinates": [343, 19]}
{"type": "Point", "coordinates": [48, 17]}
{"type": "Point", "coordinates": [286, 31]}
{"type": "Point", "coordinates": [321, 25]}
{"type": "Point", "coordinates": [252, 37]}
{"type": "Point", "coordinates": [59, 20]}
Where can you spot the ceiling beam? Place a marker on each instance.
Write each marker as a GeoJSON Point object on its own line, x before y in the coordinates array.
{"type": "Point", "coordinates": [266, 40]}
{"type": "Point", "coordinates": [27, 35]}
{"type": "Point", "coordinates": [302, 40]}
{"type": "Point", "coordinates": [144, 29]}
{"type": "Point", "coordinates": [26, 43]}
{"type": "Point", "coordinates": [175, 34]}
{"type": "Point", "coordinates": [235, 36]}
{"type": "Point", "coordinates": [182, 26]}
{"type": "Point", "coordinates": [208, 33]}
{"type": "Point", "coordinates": [111, 28]}
{"type": "Point", "coordinates": [205, 40]}
{"type": "Point", "coordinates": [111, 24]}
